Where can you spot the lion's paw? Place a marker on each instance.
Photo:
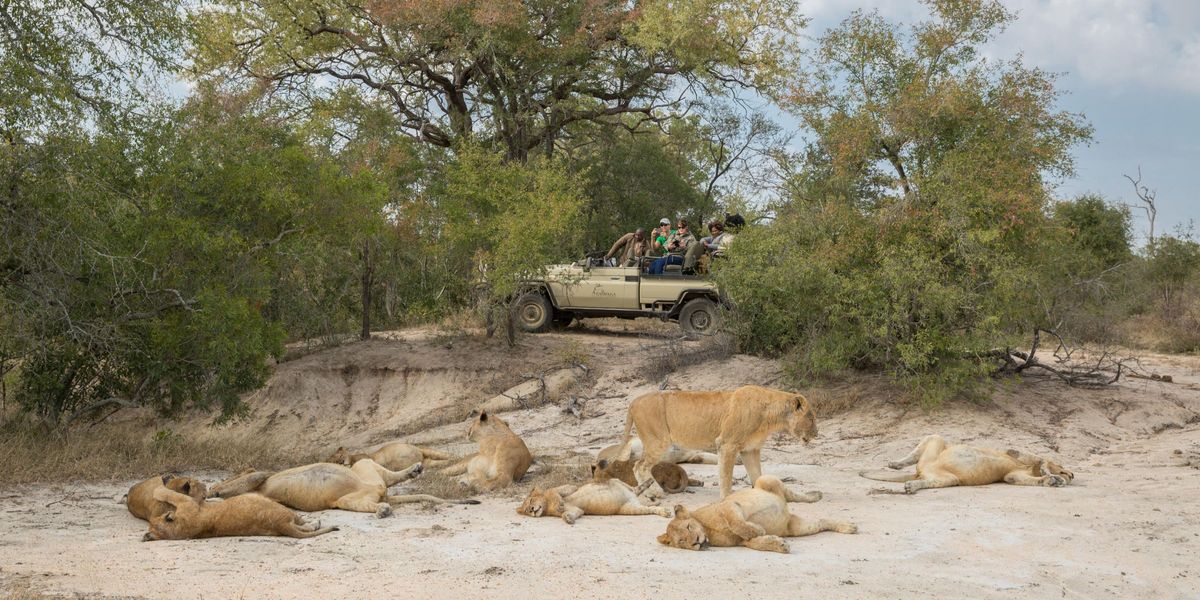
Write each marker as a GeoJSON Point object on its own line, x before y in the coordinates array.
{"type": "Point", "coordinates": [1055, 481]}
{"type": "Point", "coordinates": [418, 469]}
{"type": "Point", "coordinates": [664, 511]}
{"type": "Point", "coordinates": [897, 465]}
{"type": "Point", "coordinates": [911, 487]}
{"type": "Point", "coordinates": [771, 543]}
{"type": "Point", "coordinates": [846, 528]}
{"type": "Point", "coordinates": [383, 511]}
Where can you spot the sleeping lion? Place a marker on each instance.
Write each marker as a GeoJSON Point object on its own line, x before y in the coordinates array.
{"type": "Point", "coordinates": [942, 465]}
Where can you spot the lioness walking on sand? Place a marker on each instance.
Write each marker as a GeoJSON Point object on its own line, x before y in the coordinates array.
{"type": "Point", "coordinates": [734, 422]}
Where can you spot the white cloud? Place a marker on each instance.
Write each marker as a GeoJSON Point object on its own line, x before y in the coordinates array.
{"type": "Point", "coordinates": [1111, 43]}
{"type": "Point", "coordinates": [1154, 44]}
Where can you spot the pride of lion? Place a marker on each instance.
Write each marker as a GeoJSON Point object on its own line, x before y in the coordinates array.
{"type": "Point", "coordinates": [630, 478]}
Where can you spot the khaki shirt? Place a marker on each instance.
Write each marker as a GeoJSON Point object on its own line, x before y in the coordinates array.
{"type": "Point", "coordinates": [629, 248]}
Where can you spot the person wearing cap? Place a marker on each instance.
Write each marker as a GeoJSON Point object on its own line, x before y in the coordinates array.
{"type": "Point", "coordinates": [662, 233]}
{"type": "Point", "coordinates": [677, 246]}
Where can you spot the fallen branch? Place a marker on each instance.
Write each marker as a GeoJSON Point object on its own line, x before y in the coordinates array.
{"type": "Point", "coordinates": [1105, 370]}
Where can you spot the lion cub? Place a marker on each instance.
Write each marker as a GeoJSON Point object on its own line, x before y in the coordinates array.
{"type": "Point", "coordinates": [140, 499]}
{"type": "Point", "coordinates": [247, 514]}
{"type": "Point", "coordinates": [670, 476]}
{"type": "Point", "coordinates": [756, 518]}
{"type": "Point", "coordinates": [502, 458]}
{"type": "Point", "coordinates": [943, 465]}
{"type": "Point", "coordinates": [605, 495]}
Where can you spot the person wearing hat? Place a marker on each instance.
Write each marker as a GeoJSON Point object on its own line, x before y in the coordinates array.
{"type": "Point", "coordinates": [661, 234]}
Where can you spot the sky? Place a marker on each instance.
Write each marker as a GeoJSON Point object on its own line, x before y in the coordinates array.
{"type": "Point", "coordinates": [1132, 67]}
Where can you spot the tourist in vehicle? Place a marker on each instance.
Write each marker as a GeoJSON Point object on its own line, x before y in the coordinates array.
{"type": "Point", "coordinates": [662, 233]}
{"type": "Point", "coordinates": [676, 247]}
{"type": "Point", "coordinates": [630, 248]}
{"type": "Point", "coordinates": [718, 239]}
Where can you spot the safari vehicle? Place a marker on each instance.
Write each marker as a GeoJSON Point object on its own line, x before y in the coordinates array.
{"type": "Point", "coordinates": [589, 288]}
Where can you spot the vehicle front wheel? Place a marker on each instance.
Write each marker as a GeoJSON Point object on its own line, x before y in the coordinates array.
{"type": "Point", "coordinates": [699, 317]}
{"type": "Point", "coordinates": [533, 313]}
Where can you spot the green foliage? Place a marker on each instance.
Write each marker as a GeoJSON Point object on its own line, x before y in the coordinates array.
{"type": "Point", "coordinates": [1097, 229]}
{"type": "Point", "coordinates": [506, 220]}
{"type": "Point", "coordinates": [510, 75]}
{"type": "Point", "coordinates": [164, 269]}
{"type": "Point", "coordinates": [906, 245]}
{"type": "Point", "coordinates": [1174, 262]}
{"type": "Point", "coordinates": [63, 61]}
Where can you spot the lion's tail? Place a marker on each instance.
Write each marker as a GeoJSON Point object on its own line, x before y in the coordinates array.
{"type": "Point", "coordinates": [434, 455]}
{"type": "Point", "coordinates": [892, 476]}
{"type": "Point", "coordinates": [626, 446]}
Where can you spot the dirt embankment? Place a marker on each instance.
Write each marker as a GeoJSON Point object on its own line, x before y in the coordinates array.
{"type": "Point", "coordinates": [1129, 524]}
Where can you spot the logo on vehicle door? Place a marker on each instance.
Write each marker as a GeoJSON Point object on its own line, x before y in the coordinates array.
{"type": "Point", "coordinates": [599, 290]}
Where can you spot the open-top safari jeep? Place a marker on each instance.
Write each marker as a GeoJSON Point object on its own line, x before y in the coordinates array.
{"type": "Point", "coordinates": [589, 288]}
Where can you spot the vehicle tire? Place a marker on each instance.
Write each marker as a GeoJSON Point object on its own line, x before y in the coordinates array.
{"type": "Point", "coordinates": [533, 313]}
{"type": "Point", "coordinates": [700, 317]}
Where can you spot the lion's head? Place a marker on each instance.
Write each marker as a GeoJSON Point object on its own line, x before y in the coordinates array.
{"type": "Point", "coordinates": [802, 423]}
{"type": "Point", "coordinates": [1040, 467]}
{"type": "Point", "coordinates": [341, 456]}
{"type": "Point", "coordinates": [684, 531]}
{"type": "Point", "coordinates": [186, 486]}
{"type": "Point", "coordinates": [486, 425]}
{"type": "Point", "coordinates": [179, 522]}
{"type": "Point", "coordinates": [535, 504]}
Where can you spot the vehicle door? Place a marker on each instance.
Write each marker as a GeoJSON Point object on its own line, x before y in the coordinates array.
{"type": "Point", "coordinates": [605, 287]}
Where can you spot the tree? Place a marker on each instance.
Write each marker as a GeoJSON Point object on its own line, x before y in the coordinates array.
{"type": "Point", "coordinates": [512, 74]}
{"type": "Point", "coordinates": [906, 242]}
{"type": "Point", "coordinates": [66, 59]}
{"type": "Point", "coordinates": [1097, 229]}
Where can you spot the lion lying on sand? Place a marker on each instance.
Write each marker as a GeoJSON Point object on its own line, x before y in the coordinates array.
{"type": "Point", "coordinates": [756, 518]}
{"type": "Point", "coordinates": [604, 495]}
{"type": "Point", "coordinates": [395, 456]}
{"type": "Point", "coordinates": [670, 476]}
{"type": "Point", "coordinates": [941, 465]}
{"type": "Point", "coordinates": [140, 499]}
{"type": "Point", "coordinates": [321, 486]}
{"type": "Point", "coordinates": [502, 458]}
{"type": "Point", "coordinates": [735, 422]}
{"type": "Point", "coordinates": [248, 514]}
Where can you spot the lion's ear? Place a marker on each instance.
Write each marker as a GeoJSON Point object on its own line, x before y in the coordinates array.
{"type": "Point", "coordinates": [1013, 453]}
{"type": "Point", "coordinates": [681, 512]}
{"type": "Point", "coordinates": [167, 477]}
{"type": "Point", "coordinates": [664, 539]}
{"type": "Point", "coordinates": [187, 488]}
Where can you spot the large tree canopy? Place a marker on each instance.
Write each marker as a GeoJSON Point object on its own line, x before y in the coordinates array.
{"type": "Point", "coordinates": [513, 72]}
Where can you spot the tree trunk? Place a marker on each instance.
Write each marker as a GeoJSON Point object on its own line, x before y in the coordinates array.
{"type": "Point", "coordinates": [367, 277]}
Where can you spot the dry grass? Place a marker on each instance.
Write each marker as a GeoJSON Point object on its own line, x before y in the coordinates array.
{"type": "Point", "coordinates": [550, 471]}
{"type": "Point", "coordinates": [21, 590]}
{"type": "Point", "coordinates": [667, 357]}
{"type": "Point", "coordinates": [130, 451]}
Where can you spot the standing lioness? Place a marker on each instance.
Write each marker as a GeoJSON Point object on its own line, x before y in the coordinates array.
{"type": "Point", "coordinates": [733, 422]}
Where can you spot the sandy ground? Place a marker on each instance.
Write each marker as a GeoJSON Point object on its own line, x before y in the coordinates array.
{"type": "Point", "coordinates": [1128, 526]}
